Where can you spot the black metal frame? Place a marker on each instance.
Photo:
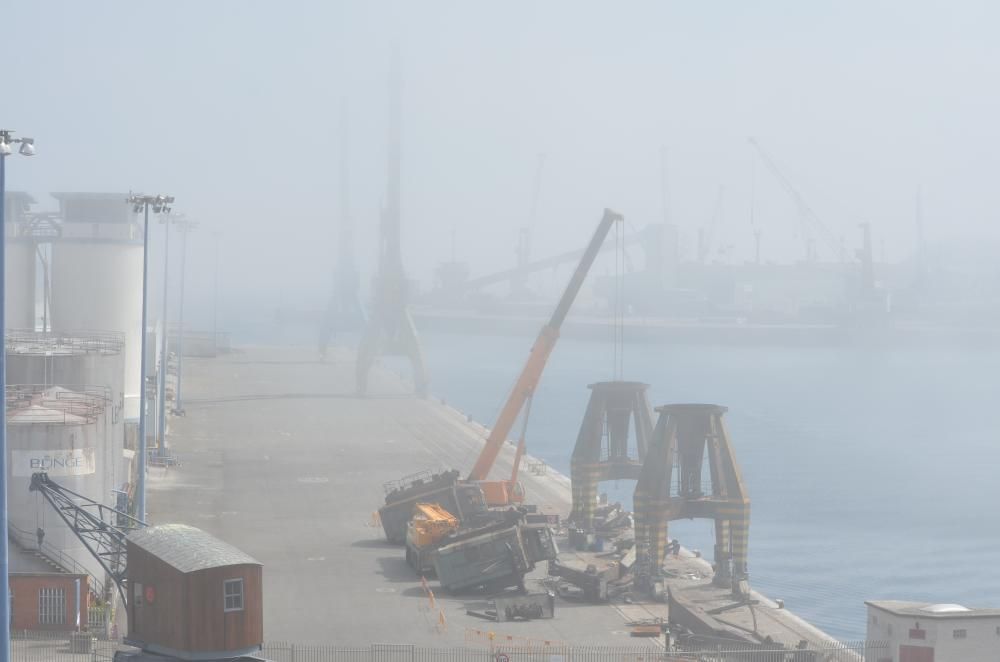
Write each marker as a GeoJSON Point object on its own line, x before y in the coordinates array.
{"type": "Point", "coordinates": [102, 529]}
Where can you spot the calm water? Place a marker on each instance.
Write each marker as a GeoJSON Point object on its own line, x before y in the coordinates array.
{"type": "Point", "coordinates": [872, 473]}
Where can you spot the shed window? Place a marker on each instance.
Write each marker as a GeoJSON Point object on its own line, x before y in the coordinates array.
{"type": "Point", "coordinates": [959, 634]}
{"type": "Point", "coordinates": [232, 591]}
{"type": "Point", "coordinates": [51, 606]}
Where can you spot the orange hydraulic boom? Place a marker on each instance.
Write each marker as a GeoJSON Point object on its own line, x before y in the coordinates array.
{"type": "Point", "coordinates": [506, 492]}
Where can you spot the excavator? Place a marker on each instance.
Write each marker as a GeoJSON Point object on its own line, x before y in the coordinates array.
{"type": "Point", "coordinates": [509, 492]}
{"type": "Point", "coordinates": [470, 499]}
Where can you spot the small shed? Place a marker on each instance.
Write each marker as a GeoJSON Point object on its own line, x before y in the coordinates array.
{"type": "Point", "coordinates": [191, 594]}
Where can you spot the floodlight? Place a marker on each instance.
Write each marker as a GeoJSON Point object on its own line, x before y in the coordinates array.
{"type": "Point", "coordinates": [27, 147]}
{"type": "Point", "coordinates": [4, 148]}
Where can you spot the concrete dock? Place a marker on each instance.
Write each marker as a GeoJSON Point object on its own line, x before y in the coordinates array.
{"type": "Point", "coordinates": [279, 457]}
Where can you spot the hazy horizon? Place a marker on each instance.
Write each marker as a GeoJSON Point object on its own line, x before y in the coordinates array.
{"type": "Point", "coordinates": [234, 108]}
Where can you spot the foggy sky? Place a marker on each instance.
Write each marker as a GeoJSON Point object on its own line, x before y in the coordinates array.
{"type": "Point", "coordinates": [232, 106]}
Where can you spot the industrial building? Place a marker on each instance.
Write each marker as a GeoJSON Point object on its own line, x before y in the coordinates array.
{"type": "Point", "coordinates": [49, 601]}
{"type": "Point", "coordinates": [925, 632]}
{"type": "Point", "coordinates": [72, 342]}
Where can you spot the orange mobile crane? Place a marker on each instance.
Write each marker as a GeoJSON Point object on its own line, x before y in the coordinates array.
{"type": "Point", "coordinates": [469, 499]}
{"type": "Point", "coordinates": [507, 492]}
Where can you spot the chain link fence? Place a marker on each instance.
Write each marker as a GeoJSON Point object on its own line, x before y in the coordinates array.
{"type": "Point", "coordinates": [83, 647]}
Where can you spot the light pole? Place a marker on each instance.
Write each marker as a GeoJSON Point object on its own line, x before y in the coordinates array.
{"type": "Point", "coordinates": [27, 149]}
{"type": "Point", "coordinates": [185, 226]}
{"type": "Point", "coordinates": [159, 204]}
{"type": "Point", "coordinates": [215, 293]}
{"type": "Point", "coordinates": [161, 409]}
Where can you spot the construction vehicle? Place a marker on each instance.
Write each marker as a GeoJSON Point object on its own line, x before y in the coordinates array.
{"type": "Point", "coordinates": [493, 557]}
{"type": "Point", "coordinates": [444, 488]}
{"type": "Point", "coordinates": [465, 501]}
{"type": "Point", "coordinates": [430, 524]}
{"type": "Point", "coordinates": [506, 492]}
{"type": "Point", "coordinates": [177, 583]}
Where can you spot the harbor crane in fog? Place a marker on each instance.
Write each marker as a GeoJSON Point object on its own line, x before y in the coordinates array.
{"type": "Point", "coordinates": [344, 310]}
{"type": "Point", "coordinates": [517, 284]}
{"type": "Point", "coordinates": [390, 329]}
{"type": "Point", "coordinates": [706, 234]}
{"type": "Point", "coordinates": [808, 219]}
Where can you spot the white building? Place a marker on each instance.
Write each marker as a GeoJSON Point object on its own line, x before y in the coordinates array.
{"type": "Point", "coordinates": [924, 632]}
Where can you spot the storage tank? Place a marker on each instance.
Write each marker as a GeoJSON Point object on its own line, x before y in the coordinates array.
{"type": "Point", "coordinates": [65, 432]}
{"type": "Point", "coordinates": [20, 262]}
{"type": "Point", "coordinates": [83, 357]}
{"type": "Point", "coordinates": [97, 284]}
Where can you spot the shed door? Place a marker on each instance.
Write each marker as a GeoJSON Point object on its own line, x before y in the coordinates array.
{"type": "Point", "coordinates": [136, 607]}
{"type": "Point", "coordinates": [915, 654]}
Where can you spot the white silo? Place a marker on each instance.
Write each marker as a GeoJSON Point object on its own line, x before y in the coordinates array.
{"type": "Point", "coordinates": [97, 275]}
{"type": "Point", "coordinates": [49, 359]}
{"type": "Point", "coordinates": [20, 260]}
{"type": "Point", "coordinates": [65, 433]}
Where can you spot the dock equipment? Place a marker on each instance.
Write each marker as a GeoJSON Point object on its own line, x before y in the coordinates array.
{"type": "Point", "coordinates": [500, 492]}
{"type": "Point", "coordinates": [430, 524]}
{"type": "Point", "coordinates": [591, 581]}
{"type": "Point", "coordinates": [685, 436]}
{"type": "Point", "coordinates": [188, 595]}
{"type": "Point", "coordinates": [515, 607]}
{"type": "Point", "coordinates": [463, 500]}
{"type": "Point", "coordinates": [602, 450]}
{"type": "Point", "coordinates": [390, 329]}
{"type": "Point", "coordinates": [494, 557]}
{"type": "Point", "coordinates": [504, 492]}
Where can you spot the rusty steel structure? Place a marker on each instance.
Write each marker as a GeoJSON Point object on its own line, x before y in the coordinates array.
{"type": "Point", "coordinates": [617, 412]}
{"type": "Point", "coordinates": [673, 485]}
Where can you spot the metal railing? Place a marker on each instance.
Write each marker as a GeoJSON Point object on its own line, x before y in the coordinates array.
{"type": "Point", "coordinates": [29, 542]}
{"type": "Point", "coordinates": [80, 647]}
{"type": "Point", "coordinates": [124, 232]}
{"type": "Point", "coordinates": [27, 341]}
{"type": "Point", "coordinates": [31, 646]}
{"type": "Point", "coordinates": [56, 405]}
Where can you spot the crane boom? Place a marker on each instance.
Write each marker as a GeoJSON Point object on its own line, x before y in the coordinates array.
{"type": "Point", "coordinates": [806, 214]}
{"type": "Point", "coordinates": [539, 355]}
{"type": "Point", "coordinates": [100, 528]}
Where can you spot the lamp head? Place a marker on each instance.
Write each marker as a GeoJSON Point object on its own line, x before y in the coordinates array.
{"type": "Point", "coordinates": [27, 147]}
{"type": "Point", "coordinates": [4, 147]}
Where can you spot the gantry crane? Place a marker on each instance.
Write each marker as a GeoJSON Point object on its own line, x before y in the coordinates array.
{"type": "Point", "coordinates": [504, 492]}
{"type": "Point", "coordinates": [344, 311]}
{"type": "Point", "coordinates": [389, 329]}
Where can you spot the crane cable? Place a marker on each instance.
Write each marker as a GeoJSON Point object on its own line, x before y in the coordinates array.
{"type": "Point", "coordinates": [618, 305]}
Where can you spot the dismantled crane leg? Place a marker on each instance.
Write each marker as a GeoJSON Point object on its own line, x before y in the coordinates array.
{"type": "Point", "coordinates": [685, 436]}
{"type": "Point", "coordinates": [603, 450]}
